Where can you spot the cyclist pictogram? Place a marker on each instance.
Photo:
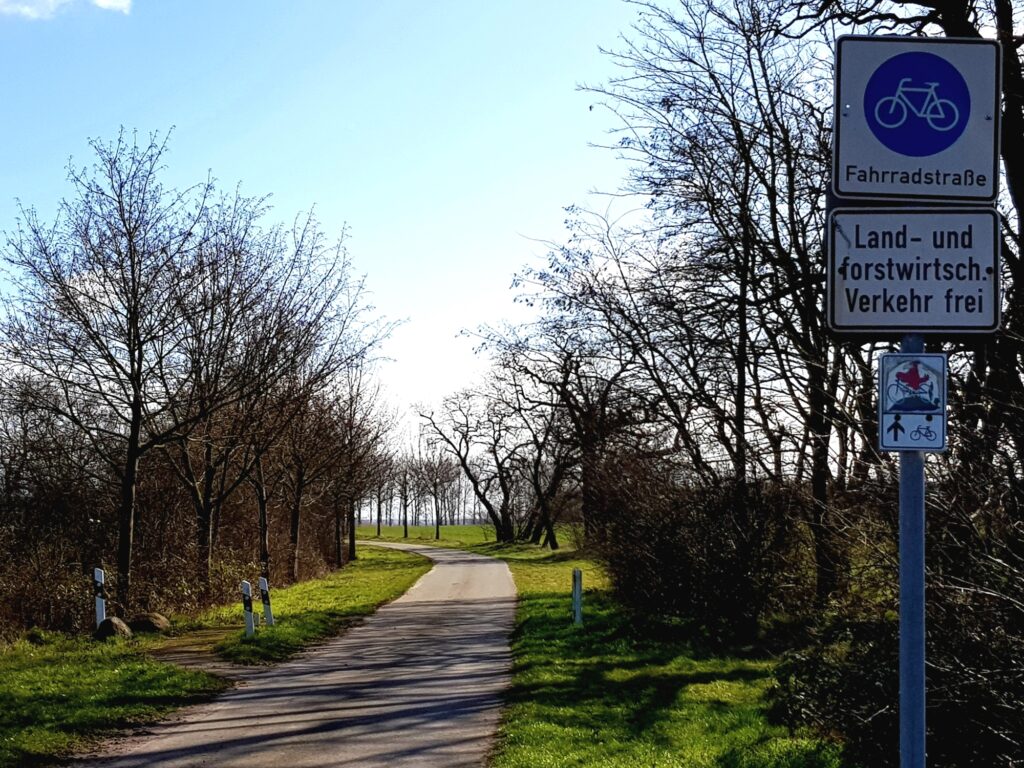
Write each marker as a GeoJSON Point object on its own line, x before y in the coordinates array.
{"type": "Point", "coordinates": [917, 104]}
{"type": "Point", "coordinates": [922, 432]}
{"type": "Point", "coordinates": [893, 111]}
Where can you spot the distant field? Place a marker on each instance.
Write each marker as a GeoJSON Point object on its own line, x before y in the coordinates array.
{"type": "Point", "coordinates": [451, 535]}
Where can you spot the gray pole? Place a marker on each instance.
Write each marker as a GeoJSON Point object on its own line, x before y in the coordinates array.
{"type": "Point", "coordinates": [912, 626]}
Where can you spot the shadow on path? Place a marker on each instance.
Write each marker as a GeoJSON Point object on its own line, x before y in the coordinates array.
{"type": "Point", "coordinates": [419, 683]}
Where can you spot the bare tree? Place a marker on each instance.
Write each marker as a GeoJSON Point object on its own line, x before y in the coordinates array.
{"type": "Point", "coordinates": [437, 473]}
{"type": "Point", "coordinates": [97, 315]}
{"type": "Point", "coordinates": [475, 431]}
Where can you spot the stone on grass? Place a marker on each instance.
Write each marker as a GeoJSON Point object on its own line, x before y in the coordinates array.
{"type": "Point", "coordinates": [150, 622]}
{"type": "Point", "coordinates": [111, 627]}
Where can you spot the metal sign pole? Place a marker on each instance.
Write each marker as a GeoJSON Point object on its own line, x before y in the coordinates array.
{"type": "Point", "coordinates": [912, 621]}
{"type": "Point", "coordinates": [931, 270]}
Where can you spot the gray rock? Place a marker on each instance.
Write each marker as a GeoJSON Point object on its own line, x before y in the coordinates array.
{"type": "Point", "coordinates": [150, 622]}
{"type": "Point", "coordinates": [111, 627]}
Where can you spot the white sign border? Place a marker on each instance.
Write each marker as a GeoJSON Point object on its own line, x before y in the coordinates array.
{"type": "Point", "coordinates": [929, 329]}
{"type": "Point", "coordinates": [941, 415]}
{"type": "Point", "coordinates": [930, 198]}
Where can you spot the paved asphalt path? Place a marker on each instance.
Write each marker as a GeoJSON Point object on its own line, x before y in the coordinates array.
{"type": "Point", "coordinates": [419, 683]}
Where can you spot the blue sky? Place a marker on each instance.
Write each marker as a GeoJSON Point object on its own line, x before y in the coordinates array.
{"type": "Point", "coordinates": [447, 135]}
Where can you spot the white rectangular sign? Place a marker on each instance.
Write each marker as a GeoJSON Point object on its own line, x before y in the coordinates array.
{"type": "Point", "coordinates": [912, 402]}
{"type": "Point", "coordinates": [909, 270]}
{"type": "Point", "coordinates": [917, 119]}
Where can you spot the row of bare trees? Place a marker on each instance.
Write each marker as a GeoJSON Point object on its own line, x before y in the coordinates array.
{"type": "Point", "coordinates": [168, 354]}
{"type": "Point", "coordinates": [717, 443]}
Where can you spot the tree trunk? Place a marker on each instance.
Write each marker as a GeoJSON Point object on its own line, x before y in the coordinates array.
{"type": "Point", "coordinates": [126, 533]}
{"type": "Point", "coordinates": [588, 489]}
{"type": "Point", "coordinates": [339, 556]}
{"type": "Point", "coordinates": [825, 556]}
{"type": "Point", "coordinates": [534, 529]}
{"type": "Point", "coordinates": [506, 533]}
{"type": "Point", "coordinates": [294, 531]}
{"type": "Point", "coordinates": [261, 520]}
{"type": "Point", "coordinates": [126, 510]}
{"type": "Point", "coordinates": [551, 540]}
{"type": "Point", "coordinates": [204, 551]}
{"type": "Point", "coordinates": [351, 529]}
{"type": "Point", "coordinates": [437, 515]}
{"type": "Point", "coordinates": [205, 526]}
{"type": "Point", "coordinates": [740, 501]}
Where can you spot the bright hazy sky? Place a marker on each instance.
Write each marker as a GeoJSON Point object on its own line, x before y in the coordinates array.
{"type": "Point", "coordinates": [448, 135]}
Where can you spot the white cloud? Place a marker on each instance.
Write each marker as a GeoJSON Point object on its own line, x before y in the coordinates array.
{"type": "Point", "coordinates": [31, 9]}
{"type": "Point", "coordinates": [124, 6]}
{"type": "Point", "coordinates": [47, 9]}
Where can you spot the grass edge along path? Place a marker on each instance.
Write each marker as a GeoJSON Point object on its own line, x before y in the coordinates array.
{"type": "Point", "coordinates": [60, 694]}
{"type": "Point", "coordinates": [617, 695]}
{"type": "Point", "coordinates": [312, 611]}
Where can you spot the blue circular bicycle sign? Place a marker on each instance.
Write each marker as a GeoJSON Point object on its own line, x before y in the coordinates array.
{"type": "Point", "coordinates": [917, 104]}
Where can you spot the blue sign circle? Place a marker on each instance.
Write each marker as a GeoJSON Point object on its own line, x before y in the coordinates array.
{"type": "Point", "coordinates": [917, 104]}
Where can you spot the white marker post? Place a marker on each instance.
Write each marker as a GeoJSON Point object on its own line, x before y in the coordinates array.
{"type": "Point", "coordinates": [268, 614]}
{"type": "Point", "coordinates": [100, 591]}
{"type": "Point", "coordinates": [250, 626]}
{"type": "Point", "coordinates": [577, 597]}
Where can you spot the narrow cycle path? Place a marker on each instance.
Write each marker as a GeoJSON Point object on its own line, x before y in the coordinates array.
{"type": "Point", "coordinates": [419, 683]}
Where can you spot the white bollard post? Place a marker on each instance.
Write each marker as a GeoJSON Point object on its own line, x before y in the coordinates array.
{"type": "Point", "coordinates": [100, 591]}
{"type": "Point", "coordinates": [577, 597]}
{"type": "Point", "coordinates": [250, 627]}
{"type": "Point", "coordinates": [268, 614]}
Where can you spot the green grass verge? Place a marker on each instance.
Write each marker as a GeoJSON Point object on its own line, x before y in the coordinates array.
{"type": "Point", "coordinates": [616, 694]}
{"type": "Point", "coordinates": [59, 694]}
{"type": "Point", "coordinates": [310, 611]}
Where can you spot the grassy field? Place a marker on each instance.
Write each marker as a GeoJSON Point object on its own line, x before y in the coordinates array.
{"type": "Point", "coordinates": [59, 694]}
{"type": "Point", "coordinates": [451, 535]}
{"type": "Point", "coordinates": [621, 694]}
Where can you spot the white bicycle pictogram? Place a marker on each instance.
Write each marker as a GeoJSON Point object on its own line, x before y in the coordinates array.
{"type": "Point", "coordinates": [922, 432]}
{"type": "Point", "coordinates": [893, 111]}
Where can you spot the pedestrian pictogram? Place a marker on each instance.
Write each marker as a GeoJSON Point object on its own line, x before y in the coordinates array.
{"type": "Point", "coordinates": [912, 402]}
{"type": "Point", "coordinates": [896, 428]}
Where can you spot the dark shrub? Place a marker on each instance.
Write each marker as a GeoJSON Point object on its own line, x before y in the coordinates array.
{"type": "Point", "coordinates": [700, 554]}
{"type": "Point", "coordinates": [846, 682]}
